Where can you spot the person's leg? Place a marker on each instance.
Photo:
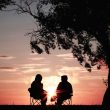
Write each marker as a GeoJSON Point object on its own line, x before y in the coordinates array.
{"type": "Point", "coordinates": [59, 100]}
{"type": "Point", "coordinates": [43, 99]}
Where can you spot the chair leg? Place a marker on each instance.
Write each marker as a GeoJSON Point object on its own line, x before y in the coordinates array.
{"type": "Point", "coordinates": [67, 102]}
{"type": "Point", "coordinates": [35, 101]}
{"type": "Point", "coordinates": [71, 101]}
{"type": "Point", "coordinates": [30, 101]}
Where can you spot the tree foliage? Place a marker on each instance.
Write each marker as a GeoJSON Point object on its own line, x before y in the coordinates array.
{"type": "Point", "coordinates": [79, 25]}
{"type": "Point", "coordinates": [4, 3]}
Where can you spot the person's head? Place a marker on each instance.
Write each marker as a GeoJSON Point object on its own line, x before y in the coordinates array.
{"type": "Point", "coordinates": [64, 78]}
{"type": "Point", "coordinates": [38, 77]}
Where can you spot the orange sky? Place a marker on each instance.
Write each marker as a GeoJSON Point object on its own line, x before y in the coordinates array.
{"type": "Point", "coordinates": [18, 66]}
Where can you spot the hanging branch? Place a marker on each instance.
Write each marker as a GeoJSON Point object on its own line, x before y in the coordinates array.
{"type": "Point", "coordinates": [25, 7]}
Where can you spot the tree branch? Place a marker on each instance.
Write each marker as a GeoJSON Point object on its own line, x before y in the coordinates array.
{"type": "Point", "coordinates": [26, 8]}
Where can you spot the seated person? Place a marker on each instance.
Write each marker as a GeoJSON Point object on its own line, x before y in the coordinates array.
{"type": "Point", "coordinates": [64, 90]}
{"type": "Point", "coordinates": [37, 91]}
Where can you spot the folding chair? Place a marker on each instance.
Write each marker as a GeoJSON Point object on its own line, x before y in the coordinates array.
{"type": "Point", "coordinates": [67, 101]}
{"type": "Point", "coordinates": [35, 101]}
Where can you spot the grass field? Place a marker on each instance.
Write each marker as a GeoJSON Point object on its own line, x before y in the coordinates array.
{"type": "Point", "coordinates": [50, 107]}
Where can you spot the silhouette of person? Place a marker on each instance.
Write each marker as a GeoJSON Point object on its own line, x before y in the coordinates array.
{"type": "Point", "coordinates": [64, 90]}
{"type": "Point", "coordinates": [37, 91]}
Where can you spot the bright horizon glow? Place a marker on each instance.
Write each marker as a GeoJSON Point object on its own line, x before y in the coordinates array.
{"type": "Point", "coordinates": [51, 91]}
{"type": "Point", "coordinates": [50, 84]}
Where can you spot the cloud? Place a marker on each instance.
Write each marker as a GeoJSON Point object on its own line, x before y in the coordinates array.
{"type": "Point", "coordinates": [36, 58]}
{"type": "Point", "coordinates": [72, 78]}
{"type": "Point", "coordinates": [86, 71]}
{"type": "Point", "coordinates": [8, 69]}
{"type": "Point", "coordinates": [25, 80]}
{"type": "Point", "coordinates": [69, 58]}
{"type": "Point", "coordinates": [33, 54]}
{"type": "Point", "coordinates": [4, 57]}
{"type": "Point", "coordinates": [31, 65]}
{"type": "Point", "coordinates": [30, 70]}
{"type": "Point", "coordinates": [90, 77]}
{"type": "Point", "coordinates": [67, 68]}
{"type": "Point", "coordinates": [11, 81]}
{"type": "Point", "coordinates": [65, 55]}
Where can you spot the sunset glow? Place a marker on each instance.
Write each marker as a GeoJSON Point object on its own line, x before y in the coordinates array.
{"type": "Point", "coordinates": [18, 67]}
{"type": "Point", "coordinates": [51, 91]}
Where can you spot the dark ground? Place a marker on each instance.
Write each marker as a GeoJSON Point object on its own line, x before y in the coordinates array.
{"type": "Point", "coordinates": [50, 107]}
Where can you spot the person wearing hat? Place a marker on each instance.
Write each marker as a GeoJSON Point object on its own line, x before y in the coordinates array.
{"type": "Point", "coordinates": [64, 90]}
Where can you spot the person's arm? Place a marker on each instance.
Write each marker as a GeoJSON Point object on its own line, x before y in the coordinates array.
{"type": "Point", "coordinates": [58, 88]}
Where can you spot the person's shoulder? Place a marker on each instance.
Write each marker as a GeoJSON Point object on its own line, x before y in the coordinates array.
{"type": "Point", "coordinates": [59, 83]}
{"type": "Point", "coordinates": [33, 82]}
{"type": "Point", "coordinates": [69, 83]}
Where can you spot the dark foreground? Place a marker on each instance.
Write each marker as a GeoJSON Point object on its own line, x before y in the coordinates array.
{"type": "Point", "coordinates": [50, 107]}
